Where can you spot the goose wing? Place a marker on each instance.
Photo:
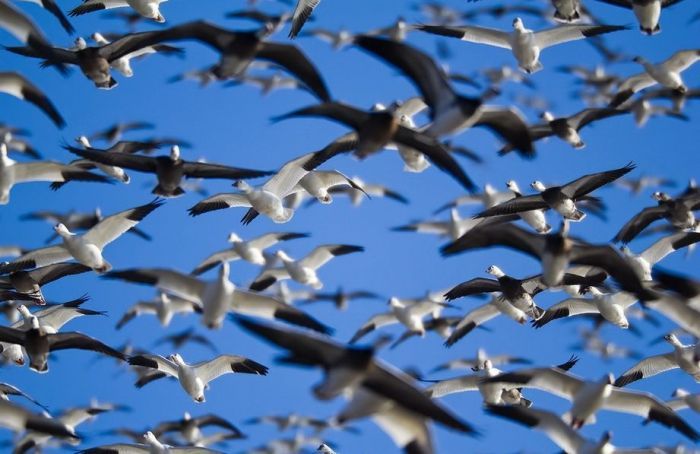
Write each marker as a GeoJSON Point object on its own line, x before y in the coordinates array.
{"type": "Point", "coordinates": [52, 171]}
{"type": "Point", "coordinates": [375, 322]}
{"type": "Point", "coordinates": [59, 315]}
{"type": "Point", "coordinates": [302, 12]}
{"type": "Point", "coordinates": [630, 86]}
{"type": "Point", "coordinates": [143, 307]}
{"type": "Point", "coordinates": [639, 222]}
{"type": "Point", "coordinates": [206, 170]}
{"type": "Point", "coordinates": [228, 364]}
{"type": "Point", "coordinates": [51, 273]}
{"type": "Point", "coordinates": [284, 181]}
{"type": "Point", "coordinates": [475, 318]}
{"type": "Point", "coordinates": [508, 235]}
{"type": "Point", "coordinates": [679, 311]}
{"type": "Point", "coordinates": [509, 124]}
{"type": "Point", "coordinates": [682, 60]}
{"type": "Point", "coordinates": [20, 26]}
{"type": "Point", "coordinates": [114, 226]}
{"type": "Point", "coordinates": [63, 341]}
{"type": "Point", "coordinates": [610, 260]}
{"type": "Point", "coordinates": [19, 419]}
{"type": "Point", "coordinates": [515, 205]}
{"type": "Point", "coordinates": [165, 279]}
{"type": "Point", "coordinates": [297, 63]}
{"type": "Point", "coordinates": [587, 116]}
{"type": "Point", "coordinates": [323, 254]}
{"type": "Point", "coordinates": [668, 244]}
{"type": "Point", "coordinates": [18, 86]}
{"type": "Point", "coordinates": [565, 33]}
{"type": "Point", "coordinates": [552, 380]}
{"type": "Point", "coordinates": [136, 162]}
{"type": "Point", "coordinates": [454, 385]}
{"type": "Point", "coordinates": [263, 306]}
{"type": "Point", "coordinates": [155, 362]}
{"type": "Point", "coordinates": [481, 35]}
{"type": "Point", "coordinates": [567, 308]}
{"type": "Point", "coordinates": [36, 258]}
{"type": "Point", "coordinates": [589, 183]}
{"type": "Point", "coordinates": [473, 287]}
{"type": "Point", "coordinates": [219, 201]}
{"type": "Point", "coordinates": [227, 255]}
{"type": "Point", "coordinates": [270, 239]}
{"type": "Point", "coordinates": [648, 367]}
{"type": "Point", "coordinates": [268, 277]}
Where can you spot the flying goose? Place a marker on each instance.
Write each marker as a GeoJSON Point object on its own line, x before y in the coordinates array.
{"type": "Point", "coordinates": [21, 27]}
{"type": "Point", "coordinates": [195, 378]}
{"type": "Point", "coordinates": [39, 342]}
{"type": "Point", "coordinates": [18, 419]}
{"type": "Point", "coordinates": [610, 306]}
{"type": "Point", "coordinates": [268, 84]}
{"type": "Point", "coordinates": [340, 298]}
{"type": "Point", "coordinates": [190, 427]}
{"type": "Point", "coordinates": [682, 356]}
{"type": "Point", "coordinates": [525, 44]}
{"type": "Point", "coordinates": [248, 250]}
{"type": "Point", "coordinates": [482, 314]}
{"type": "Point", "coordinates": [592, 343]}
{"type": "Point", "coordinates": [637, 185]}
{"type": "Point", "coordinates": [303, 270]}
{"type": "Point", "coordinates": [30, 282]}
{"type": "Point", "coordinates": [644, 262]}
{"type": "Point", "coordinates": [588, 397]}
{"type": "Point", "coordinates": [217, 297]}
{"type": "Point", "coordinates": [678, 211]}
{"type": "Point", "coordinates": [376, 129]}
{"type": "Point", "coordinates": [13, 172]}
{"type": "Point", "coordinates": [666, 73]}
{"type": "Point", "coordinates": [123, 64]}
{"type": "Point", "coordinates": [648, 12]}
{"type": "Point", "coordinates": [163, 306]}
{"type": "Point", "coordinates": [86, 248]}
{"type": "Point", "coordinates": [302, 13]}
{"type": "Point", "coordinates": [449, 111]}
{"type": "Point", "coordinates": [181, 338]}
{"type": "Point", "coordinates": [114, 133]}
{"type": "Point", "coordinates": [352, 368]}
{"type": "Point", "coordinates": [7, 390]}
{"type": "Point", "coordinates": [151, 445]}
{"type": "Point", "coordinates": [149, 9]}
{"type": "Point", "coordinates": [488, 197]}
{"type": "Point", "coordinates": [14, 84]}
{"type": "Point", "coordinates": [559, 198]}
{"type": "Point", "coordinates": [356, 196]}
{"type": "Point", "coordinates": [642, 110]}
{"type": "Point", "coordinates": [297, 421]}
{"type": "Point", "coordinates": [170, 170]}
{"type": "Point", "coordinates": [556, 251]}
{"type": "Point", "coordinates": [477, 362]}
{"type": "Point", "coordinates": [17, 144]}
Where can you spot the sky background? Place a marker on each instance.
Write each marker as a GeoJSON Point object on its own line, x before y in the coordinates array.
{"type": "Point", "coordinates": [232, 126]}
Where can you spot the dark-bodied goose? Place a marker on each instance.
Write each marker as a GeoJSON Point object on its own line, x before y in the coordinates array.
{"type": "Point", "coordinates": [195, 378]}
{"type": "Point", "coordinates": [482, 314]}
{"type": "Point", "coordinates": [86, 248]}
{"type": "Point", "coordinates": [556, 251]}
{"type": "Point", "coordinates": [449, 111]}
{"type": "Point", "coordinates": [559, 198]}
{"type": "Point", "coordinates": [18, 419]}
{"type": "Point", "coordinates": [189, 427]}
{"type": "Point", "coordinates": [352, 368]}
{"type": "Point", "coordinates": [15, 84]}
{"type": "Point", "coordinates": [30, 282]}
{"type": "Point", "coordinates": [678, 211]}
{"type": "Point", "coordinates": [163, 306]}
{"type": "Point", "coordinates": [149, 9]}
{"type": "Point", "coordinates": [648, 12]}
{"type": "Point", "coordinates": [217, 297]}
{"type": "Point", "coordinates": [587, 397]}
{"type": "Point", "coordinates": [170, 169]}
{"type": "Point", "coordinates": [525, 44]}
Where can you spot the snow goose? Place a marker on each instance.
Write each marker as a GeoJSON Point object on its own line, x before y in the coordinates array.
{"type": "Point", "coordinates": [15, 84]}
{"type": "Point", "coordinates": [7, 390]}
{"type": "Point", "coordinates": [678, 211]}
{"type": "Point", "coordinates": [525, 44]}
{"type": "Point", "coordinates": [376, 129]}
{"type": "Point", "coordinates": [648, 12]}
{"type": "Point", "coordinates": [268, 84]}
{"type": "Point", "coordinates": [13, 172]}
{"type": "Point", "coordinates": [149, 9]}
{"type": "Point", "coordinates": [87, 248]}
{"type": "Point", "coordinates": [302, 13]}
{"type": "Point", "coordinates": [682, 356]}
{"type": "Point", "coordinates": [123, 64]}
{"type": "Point", "coordinates": [248, 250]}
{"type": "Point", "coordinates": [239, 49]}
{"type": "Point", "coordinates": [21, 27]}
{"type": "Point", "coordinates": [30, 282]}
{"type": "Point", "coordinates": [588, 397]}
{"type": "Point", "coordinates": [352, 368]}
{"type": "Point", "coordinates": [637, 185]}
{"type": "Point", "coordinates": [38, 343]}
{"type": "Point", "coordinates": [593, 343]}
{"type": "Point", "coordinates": [181, 338]}
{"type": "Point", "coordinates": [477, 362]}
{"type": "Point", "coordinates": [53, 8]}
{"type": "Point", "coordinates": [151, 445]}
{"type": "Point", "coordinates": [18, 419]}
{"type": "Point", "coordinates": [683, 399]}
{"type": "Point", "coordinates": [303, 270]}
{"type": "Point", "coordinates": [488, 197]}
{"type": "Point", "coordinates": [20, 145]}
{"type": "Point", "coordinates": [442, 326]}
{"type": "Point", "coordinates": [356, 196]}
{"type": "Point", "coordinates": [556, 251]}
{"type": "Point", "coordinates": [610, 306]}
{"type": "Point", "coordinates": [453, 228]}
{"type": "Point", "coordinates": [340, 298]}
{"type": "Point", "coordinates": [449, 111]}
{"type": "Point", "coordinates": [170, 169]}
{"type": "Point", "coordinates": [559, 198]}
{"type": "Point", "coordinates": [189, 427]}
{"type": "Point", "coordinates": [163, 306]}
{"type": "Point", "coordinates": [666, 73]}
{"type": "Point", "coordinates": [217, 297]}
{"type": "Point", "coordinates": [195, 378]}
{"type": "Point", "coordinates": [295, 420]}
{"type": "Point", "coordinates": [644, 262]}
{"type": "Point", "coordinates": [642, 110]}
{"type": "Point", "coordinates": [337, 39]}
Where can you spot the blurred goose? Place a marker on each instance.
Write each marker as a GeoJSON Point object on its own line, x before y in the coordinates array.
{"type": "Point", "coordinates": [14, 84]}
{"type": "Point", "coordinates": [478, 362]}
{"type": "Point", "coordinates": [87, 248]}
{"type": "Point", "coordinates": [21, 27]}
{"type": "Point", "coordinates": [17, 144]}
{"type": "Point", "coordinates": [644, 262]}
{"type": "Point", "coordinates": [666, 73]}
{"type": "Point", "coordinates": [18, 419]}
{"type": "Point", "coordinates": [683, 399]}
{"type": "Point", "coordinates": [453, 228]}
{"type": "Point", "coordinates": [114, 133]}
{"type": "Point", "coordinates": [195, 378]}
{"type": "Point", "coordinates": [642, 110]}
{"type": "Point", "coordinates": [55, 10]}
{"type": "Point", "coordinates": [340, 298]}
{"type": "Point", "coordinates": [525, 44]}
{"type": "Point", "coordinates": [31, 282]}
{"type": "Point", "coordinates": [149, 9]}
{"type": "Point", "coordinates": [189, 427]}
{"type": "Point", "coordinates": [337, 39]}
{"type": "Point", "coordinates": [297, 421]}
{"type": "Point", "coordinates": [163, 306]}
{"type": "Point", "coordinates": [303, 270]}
{"type": "Point", "coordinates": [217, 297]}
{"type": "Point", "coordinates": [302, 13]}
{"type": "Point", "coordinates": [268, 84]}
{"type": "Point", "coordinates": [248, 250]}
{"type": "Point", "coordinates": [678, 211]}
{"type": "Point", "coordinates": [151, 445]}
{"type": "Point", "coordinates": [637, 185]}
{"type": "Point", "coordinates": [181, 338]}
{"type": "Point", "coordinates": [13, 172]}
{"type": "Point", "coordinates": [488, 197]}
{"type": "Point", "coordinates": [356, 196]}
{"type": "Point", "coordinates": [648, 12]}
{"type": "Point", "coordinates": [610, 306]}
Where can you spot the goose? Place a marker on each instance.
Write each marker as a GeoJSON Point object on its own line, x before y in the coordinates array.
{"type": "Point", "coordinates": [340, 298]}
{"type": "Point", "coordinates": [678, 211]}
{"type": "Point", "coordinates": [303, 270]}
{"type": "Point", "coordinates": [268, 84]}
{"type": "Point", "coordinates": [592, 343]}
{"type": "Point", "coordinates": [31, 282]}
{"type": "Point", "coordinates": [13, 172]}
{"type": "Point", "coordinates": [170, 170]}
{"type": "Point", "coordinates": [248, 250]}
{"type": "Point", "coordinates": [163, 306]}
{"type": "Point", "coordinates": [179, 339]}
{"type": "Point", "coordinates": [189, 427]}
{"type": "Point", "coordinates": [86, 248]}
{"type": "Point", "coordinates": [525, 44]}
{"type": "Point", "coordinates": [482, 314]}
{"type": "Point", "coordinates": [295, 420]}
{"type": "Point", "coordinates": [217, 297]}
{"type": "Point", "coordinates": [114, 133]}
{"type": "Point", "coordinates": [637, 185]}
{"type": "Point", "coordinates": [648, 12]}
{"type": "Point", "coordinates": [7, 390]}
{"type": "Point", "coordinates": [352, 368]}
{"type": "Point", "coordinates": [666, 73]}
{"type": "Point", "coordinates": [642, 110]}
{"type": "Point", "coordinates": [123, 64]}
{"type": "Point", "coordinates": [477, 362]}
{"type": "Point", "coordinates": [610, 306]}
{"type": "Point", "coordinates": [534, 218]}
{"type": "Point", "coordinates": [684, 399]}
{"type": "Point", "coordinates": [409, 313]}
{"type": "Point", "coordinates": [568, 439]}
{"type": "Point", "coordinates": [302, 13]}
{"type": "Point", "coordinates": [39, 342]}
{"type": "Point", "coordinates": [559, 198]}
{"type": "Point", "coordinates": [149, 9]}
{"type": "Point", "coordinates": [21, 27]}
{"type": "Point", "coordinates": [195, 378]}
{"type": "Point", "coordinates": [396, 31]}
{"type": "Point", "coordinates": [588, 397]}
{"type": "Point", "coordinates": [93, 61]}
{"type": "Point", "coordinates": [19, 419]}
{"type": "Point", "coordinates": [14, 84]}
{"type": "Point", "coordinates": [18, 144]}
{"type": "Point", "coordinates": [337, 39]}
{"type": "Point", "coordinates": [488, 197]}
{"type": "Point", "coordinates": [682, 357]}
{"type": "Point", "coordinates": [556, 251]}
{"type": "Point", "coordinates": [453, 228]}
{"type": "Point", "coordinates": [644, 262]}
{"type": "Point", "coordinates": [448, 111]}
{"type": "Point", "coordinates": [376, 129]}
{"type": "Point", "coordinates": [151, 445]}
{"type": "Point", "coordinates": [678, 100]}
{"type": "Point", "coordinates": [55, 10]}
{"type": "Point", "coordinates": [357, 196]}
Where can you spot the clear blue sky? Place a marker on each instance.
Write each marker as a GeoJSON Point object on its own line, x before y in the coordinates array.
{"type": "Point", "coordinates": [232, 126]}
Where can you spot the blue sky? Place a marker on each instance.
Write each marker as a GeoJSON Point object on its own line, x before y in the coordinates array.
{"type": "Point", "coordinates": [232, 126]}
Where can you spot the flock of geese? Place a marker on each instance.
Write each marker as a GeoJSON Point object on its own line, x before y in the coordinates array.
{"type": "Point", "coordinates": [603, 281]}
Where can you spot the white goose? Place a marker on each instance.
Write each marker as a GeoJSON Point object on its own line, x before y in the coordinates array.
{"type": "Point", "coordinates": [683, 399]}
{"type": "Point", "coordinates": [648, 12]}
{"type": "Point", "coordinates": [611, 306]}
{"type": "Point", "coordinates": [87, 248]}
{"type": "Point", "coordinates": [643, 263]}
{"type": "Point", "coordinates": [195, 378]}
{"type": "Point", "coordinates": [18, 419]}
{"type": "Point", "coordinates": [149, 9]}
{"type": "Point", "coordinates": [163, 306]}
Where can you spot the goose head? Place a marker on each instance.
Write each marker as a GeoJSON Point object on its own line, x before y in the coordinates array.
{"type": "Point", "coordinates": [518, 24]}
{"type": "Point", "coordinates": [488, 189]}
{"type": "Point", "coordinates": [175, 153]}
{"type": "Point", "coordinates": [177, 359]}
{"type": "Point", "coordinates": [547, 116]}
{"type": "Point", "coordinates": [538, 186]}
{"type": "Point", "coordinates": [661, 196]}
{"type": "Point", "coordinates": [34, 321]}
{"type": "Point", "coordinates": [4, 160]}
{"type": "Point", "coordinates": [495, 271]}
{"type": "Point", "coordinates": [378, 107]}
{"type": "Point", "coordinates": [395, 302]}
{"type": "Point", "coordinates": [513, 186]}
{"type": "Point", "coordinates": [151, 439]}
{"type": "Point", "coordinates": [80, 43]}
{"type": "Point", "coordinates": [673, 340]}
{"type": "Point", "coordinates": [233, 238]}
{"type": "Point", "coordinates": [63, 231]}
{"type": "Point", "coordinates": [243, 187]}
